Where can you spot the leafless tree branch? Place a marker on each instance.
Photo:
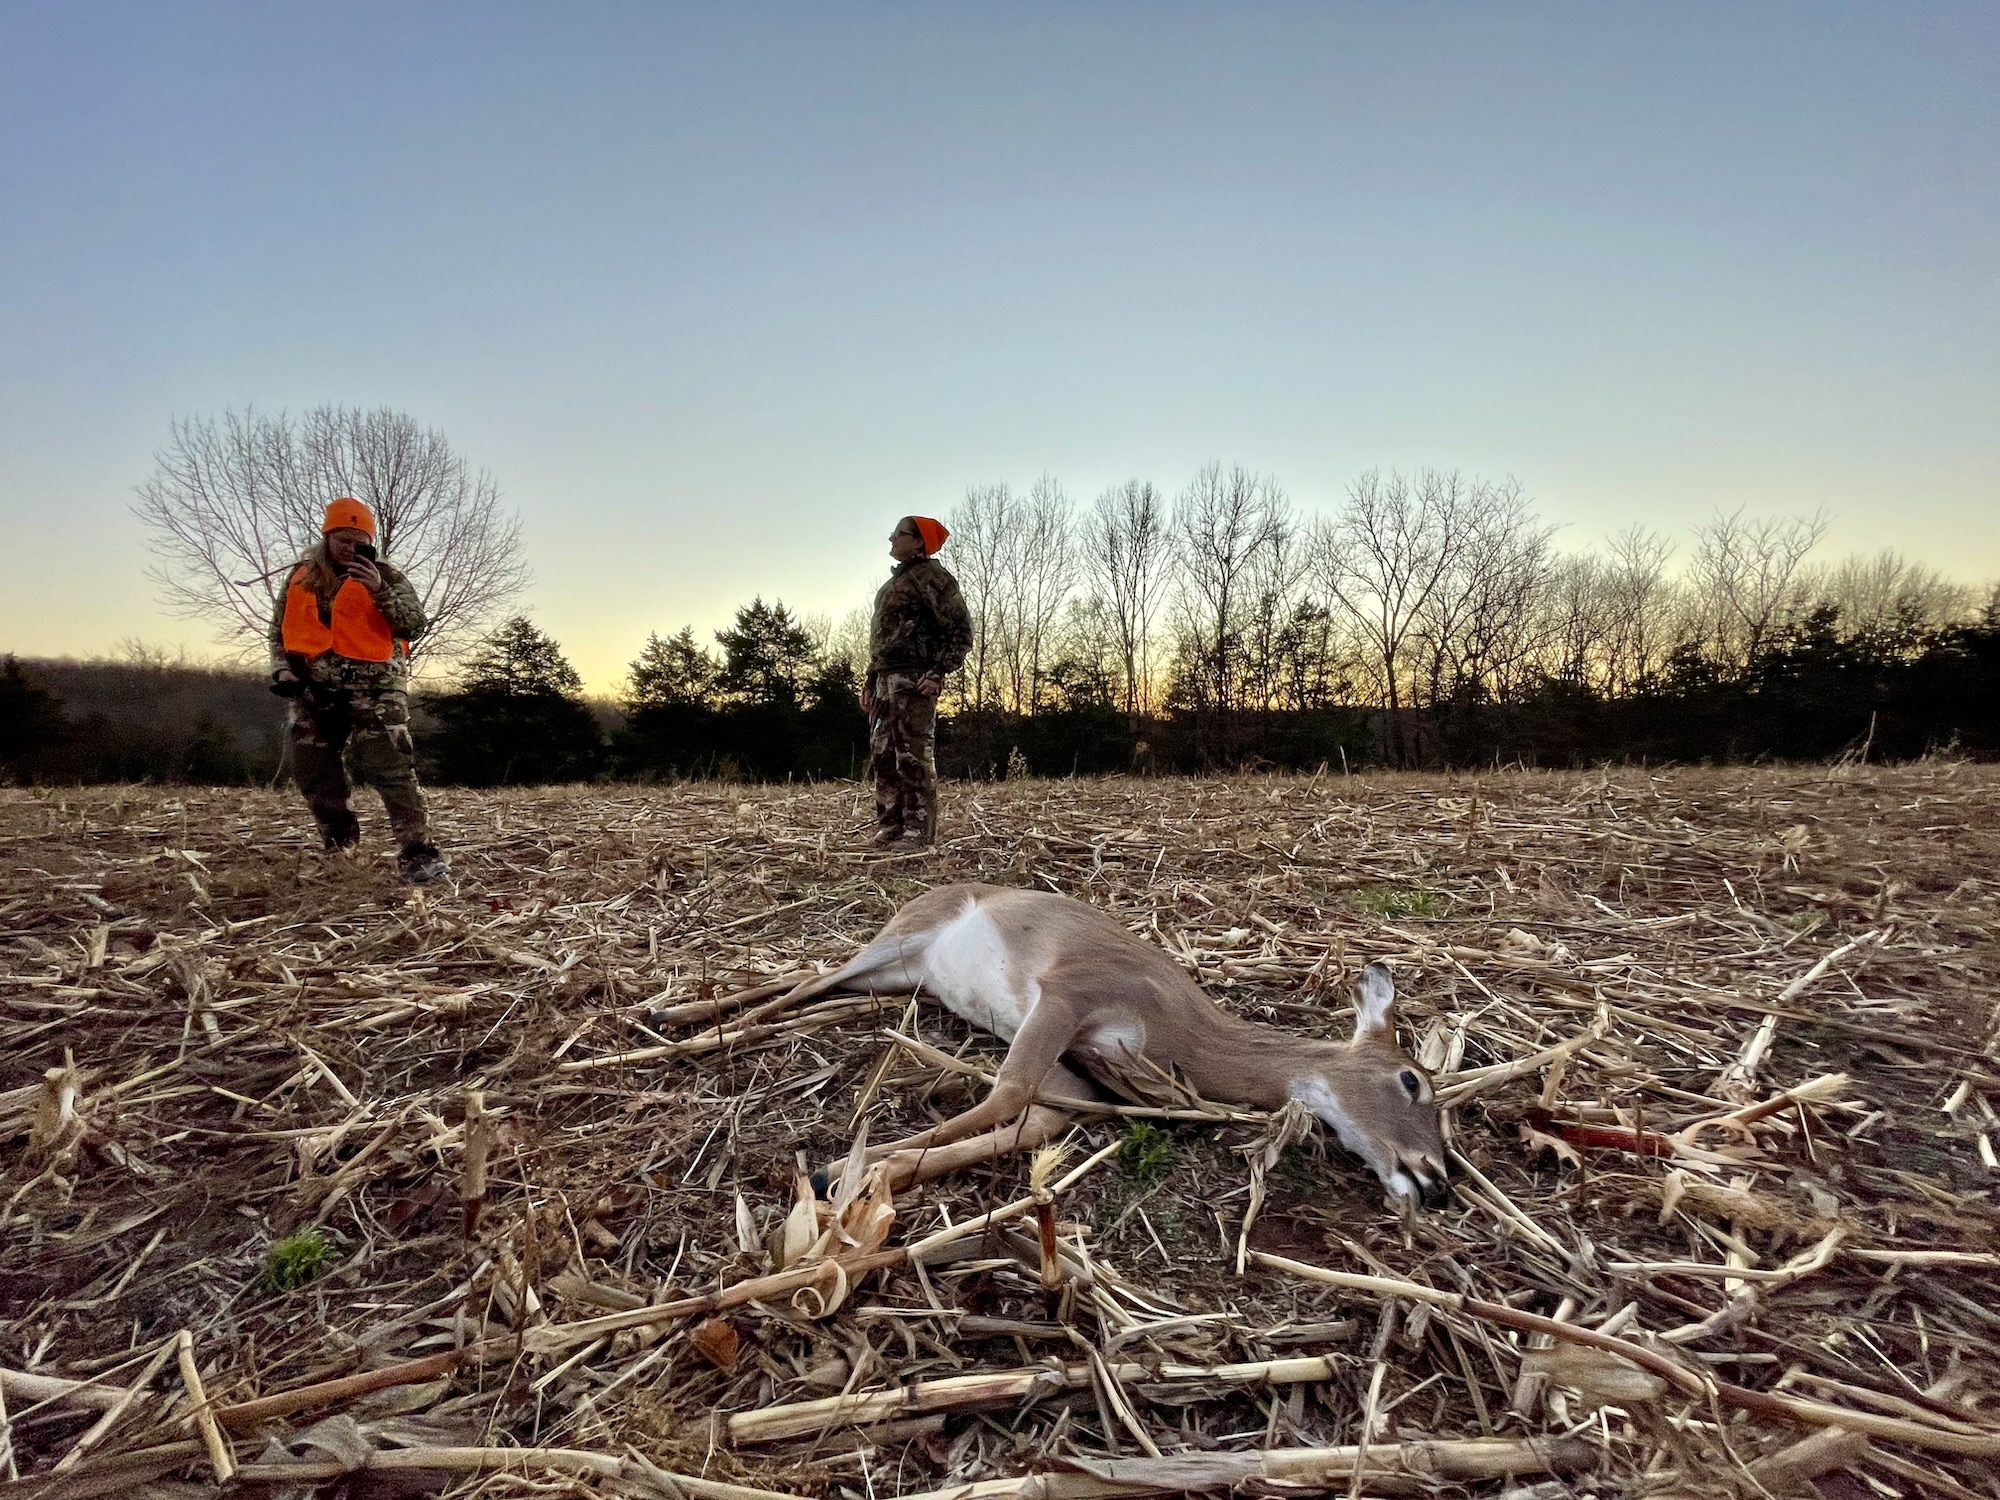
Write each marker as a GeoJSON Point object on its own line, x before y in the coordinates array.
{"type": "Point", "coordinates": [233, 500]}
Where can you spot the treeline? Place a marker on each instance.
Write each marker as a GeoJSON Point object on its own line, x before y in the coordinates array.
{"type": "Point", "coordinates": [776, 699]}
{"type": "Point", "coordinates": [775, 704]}
{"type": "Point", "coordinates": [1429, 620]}
{"type": "Point", "coordinates": [1419, 596]}
{"type": "Point", "coordinates": [518, 717]}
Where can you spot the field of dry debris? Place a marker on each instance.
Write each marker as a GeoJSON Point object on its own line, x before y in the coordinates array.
{"type": "Point", "coordinates": [331, 1188]}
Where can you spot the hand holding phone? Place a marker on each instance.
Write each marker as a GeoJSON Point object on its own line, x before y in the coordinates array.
{"type": "Point", "coordinates": [363, 568]}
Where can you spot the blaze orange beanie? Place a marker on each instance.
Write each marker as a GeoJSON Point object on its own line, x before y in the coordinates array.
{"type": "Point", "coordinates": [352, 514]}
{"type": "Point", "coordinates": [932, 532]}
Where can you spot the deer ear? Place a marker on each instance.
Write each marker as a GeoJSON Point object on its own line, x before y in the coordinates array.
{"type": "Point", "coordinates": [1375, 1004]}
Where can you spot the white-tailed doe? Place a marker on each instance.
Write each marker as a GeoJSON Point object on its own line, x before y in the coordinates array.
{"type": "Point", "coordinates": [1058, 979]}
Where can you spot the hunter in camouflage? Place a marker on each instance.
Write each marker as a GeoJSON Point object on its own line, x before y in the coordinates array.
{"type": "Point", "coordinates": [920, 634]}
{"type": "Point", "coordinates": [340, 634]}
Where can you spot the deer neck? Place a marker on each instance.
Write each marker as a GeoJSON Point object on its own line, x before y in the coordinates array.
{"type": "Point", "coordinates": [1243, 1062]}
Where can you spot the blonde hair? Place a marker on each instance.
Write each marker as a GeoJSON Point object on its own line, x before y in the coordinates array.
{"type": "Point", "coordinates": [320, 574]}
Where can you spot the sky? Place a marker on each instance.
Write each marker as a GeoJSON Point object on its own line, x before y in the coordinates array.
{"type": "Point", "coordinates": [718, 292]}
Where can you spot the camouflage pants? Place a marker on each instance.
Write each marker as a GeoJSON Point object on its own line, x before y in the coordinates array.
{"type": "Point", "coordinates": [902, 753]}
{"type": "Point", "coordinates": [367, 731]}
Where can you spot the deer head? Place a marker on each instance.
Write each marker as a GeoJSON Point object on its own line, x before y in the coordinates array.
{"type": "Point", "coordinates": [1379, 1102]}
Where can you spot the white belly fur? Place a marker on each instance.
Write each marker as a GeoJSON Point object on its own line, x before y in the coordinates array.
{"type": "Point", "coordinates": [969, 969]}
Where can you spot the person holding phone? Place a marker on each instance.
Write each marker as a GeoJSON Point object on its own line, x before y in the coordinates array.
{"type": "Point", "coordinates": [340, 653]}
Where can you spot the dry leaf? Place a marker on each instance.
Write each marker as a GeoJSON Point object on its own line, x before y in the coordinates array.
{"type": "Point", "coordinates": [1744, 1208]}
{"type": "Point", "coordinates": [1538, 1141]}
{"type": "Point", "coordinates": [339, 1437]}
{"type": "Point", "coordinates": [715, 1340]}
{"type": "Point", "coordinates": [861, 1224]}
{"type": "Point", "coordinates": [58, 1122]}
{"type": "Point", "coordinates": [830, 1374]}
{"type": "Point", "coordinates": [801, 1228]}
{"type": "Point", "coordinates": [825, 1294]}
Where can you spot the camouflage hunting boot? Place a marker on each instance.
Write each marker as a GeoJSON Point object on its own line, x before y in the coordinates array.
{"type": "Point", "coordinates": [420, 863]}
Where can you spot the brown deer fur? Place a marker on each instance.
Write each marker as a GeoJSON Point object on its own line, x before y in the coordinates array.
{"type": "Point", "coordinates": [1061, 980]}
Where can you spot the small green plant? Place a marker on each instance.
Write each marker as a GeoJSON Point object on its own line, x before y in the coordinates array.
{"type": "Point", "coordinates": [1399, 901]}
{"type": "Point", "coordinates": [1809, 920]}
{"type": "Point", "coordinates": [296, 1259]}
{"type": "Point", "coordinates": [1147, 1154]}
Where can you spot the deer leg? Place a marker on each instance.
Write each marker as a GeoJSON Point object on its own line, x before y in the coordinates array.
{"type": "Point", "coordinates": [892, 964]}
{"type": "Point", "coordinates": [889, 965]}
{"type": "Point", "coordinates": [1042, 1120]}
{"type": "Point", "coordinates": [1036, 1050]}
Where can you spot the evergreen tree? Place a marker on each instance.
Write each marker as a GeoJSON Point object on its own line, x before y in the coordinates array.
{"type": "Point", "coordinates": [768, 656]}
{"type": "Point", "coordinates": [519, 659]}
{"type": "Point", "coordinates": [672, 673]}
{"type": "Point", "coordinates": [517, 717]}
{"type": "Point", "coordinates": [836, 687]}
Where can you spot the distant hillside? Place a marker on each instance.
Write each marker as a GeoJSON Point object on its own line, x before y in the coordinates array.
{"type": "Point", "coordinates": [99, 721]}
{"type": "Point", "coordinates": [131, 721]}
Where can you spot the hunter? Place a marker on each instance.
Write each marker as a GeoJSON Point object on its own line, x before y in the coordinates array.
{"type": "Point", "coordinates": [340, 652]}
{"type": "Point", "coordinates": [920, 634]}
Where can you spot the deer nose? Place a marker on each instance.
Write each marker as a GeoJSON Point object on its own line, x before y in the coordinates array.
{"type": "Point", "coordinates": [1432, 1179]}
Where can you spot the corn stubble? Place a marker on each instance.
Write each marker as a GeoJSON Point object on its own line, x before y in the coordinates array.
{"type": "Point", "coordinates": [1717, 1049]}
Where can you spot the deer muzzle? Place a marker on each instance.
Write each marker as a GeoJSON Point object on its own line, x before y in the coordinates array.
{"type": "Point", "coordinates": [1429, 1179]}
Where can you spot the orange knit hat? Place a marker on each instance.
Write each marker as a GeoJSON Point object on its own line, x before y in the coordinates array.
{"type": "Point", "coordinates": [349, 513]}
{"type": "Point", "coordinates": [932, 532]}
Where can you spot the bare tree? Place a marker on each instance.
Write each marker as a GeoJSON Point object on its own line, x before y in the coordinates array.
{"type": "Point", "coordinates": [1483, 622]}
{"type": "Point", "coordinates": [1645, 611]}
{"type": "Point", "coordinates": [1087, 656]}
{"type": "Point", "coordinates": [1575, 622]}
{"type": "Point", "coordinates": [844, 640]}
{"type": "Point", "coordinates": [981, 531]}
{"type": "Point", "coordinates": [226, 498]}
{"type": "Point", "coordinates": [1383, 560]}
{"type": "Point", "coordinates": [1890, 598]}
{"type": "Point", "coordinates": [1125, 556]}
{"type": "Point", "coordinates": [240, 497]}
{"type": "Point", "coordinates": [1747, 580]}
{"type": "Point", "coordinates": [1270, 607]}
{"type": "Point", "coordinates": [1316, 661]}
{"type": "Point", "coordinates": [1040, 579]}
{"type": "Point", "coordinates": [1015, 578]}
{"type": "Point", "coordinates": [1224, 526]}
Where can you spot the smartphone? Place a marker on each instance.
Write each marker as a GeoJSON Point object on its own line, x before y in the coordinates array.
{"type": "Point", "coordinates": [365, 551]}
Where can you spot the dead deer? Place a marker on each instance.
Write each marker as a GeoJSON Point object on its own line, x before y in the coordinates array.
{"type": "Point", "coordinates": [1057, 979]}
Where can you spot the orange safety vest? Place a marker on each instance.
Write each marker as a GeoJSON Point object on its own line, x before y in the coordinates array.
{"type": "Point", "coordinates": [359, 631]}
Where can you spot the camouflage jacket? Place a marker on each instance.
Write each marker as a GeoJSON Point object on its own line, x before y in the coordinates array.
{"type": "Point", "coordinates": [400, 606]}
{"type": "Point", "coordinates": [921, 623]}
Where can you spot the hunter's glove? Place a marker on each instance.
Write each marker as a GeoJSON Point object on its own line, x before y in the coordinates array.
{"type": "Point", "coordinates": [286, 684]}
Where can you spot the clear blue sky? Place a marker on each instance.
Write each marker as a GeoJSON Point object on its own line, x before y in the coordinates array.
{"type": "Point", "coordinates": [717, 292]}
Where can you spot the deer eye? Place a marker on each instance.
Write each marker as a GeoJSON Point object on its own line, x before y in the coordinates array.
{"type": "Point", "coordinates": [1411, 1083]}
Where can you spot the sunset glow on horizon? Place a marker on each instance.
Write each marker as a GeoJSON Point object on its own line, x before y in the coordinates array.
{"type": "Point", "coordinates": [716, 295]}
